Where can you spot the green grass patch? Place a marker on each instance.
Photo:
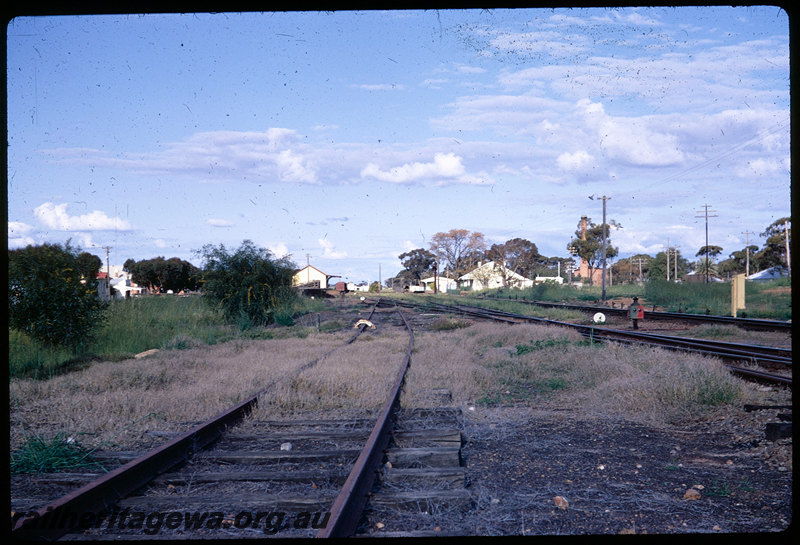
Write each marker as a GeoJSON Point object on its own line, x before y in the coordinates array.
{"type": "Point", "coordinates": [135, 325]}
{"type": "Point", "coordinates": [449, 324]}
{"type": "Point", "coordinates": [767, 300]}
{"type": "Point", "coordinates": [59, 453]}
{"type": "Point", "coordinates": [535, 346]}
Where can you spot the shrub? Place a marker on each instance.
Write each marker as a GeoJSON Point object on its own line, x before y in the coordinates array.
{"type": "Point", "coordinates": [250, 285]}
{"type": "Point", "coordinates": [52, 294]}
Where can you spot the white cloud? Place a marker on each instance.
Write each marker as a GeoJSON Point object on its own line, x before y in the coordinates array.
{"type": "Point", "coordinates": [294, 167]}
{"type": "Point", "coordinates": [579, 161]}
{"type": "Point", "coordinates": [278, 249]}
{"type": "Point", "coordinates": [445, 167]}
{"type": "Point", "coordinates": [55, 216]}
{"type": "Point", "coordinates": [216, 155]}
{"type": "Point", "coordinates": [632, 140]}
{"type": "Point", "coordinates": [328, 252]}
{"type": "Point", "coordinates": [19, 235]}
{"type": "Point", "coordinates": [214, 222]}
{"type": "Point", "coordinates": [381, 87]}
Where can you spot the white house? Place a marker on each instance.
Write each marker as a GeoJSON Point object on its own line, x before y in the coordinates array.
{"type": "Point", "coordinates": [769, 274]}
{"type": "Point", "coordinates": [444, 284]}
{"type": "Point", "coordinates": [310, 276]}
{"type": "Point", "coordinates": [556, 279]}
{"type": "Point", "coordinates": [491, 275]}
{"type": "Point", "coordinates": [120, 281]}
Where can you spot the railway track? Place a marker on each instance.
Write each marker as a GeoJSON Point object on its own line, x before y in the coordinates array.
{"type": "Point", "coordinates": [744, 323]}
{"type": "Point", "coordinates": [232, 477]}
{"type": "Point", "coordinates": [732, 353]}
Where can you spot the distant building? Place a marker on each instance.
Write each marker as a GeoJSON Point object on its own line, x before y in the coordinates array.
{"type": "Point", "coordinates": [491, 275]}
{"type": "Point", "coordinates": [542, 279]}
{"type": "Point", "coordinates": [310, 277]}
{"type": "Point", "coordinates": [772, 273]}
{"type": "Point", "coordinates": [441, 283]}
{"type": "Point", "coordinates": [122, 287]}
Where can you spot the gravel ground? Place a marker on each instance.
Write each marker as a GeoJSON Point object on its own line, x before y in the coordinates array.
{"type": "Point", "coordinates": [560, 473]}
{"type": "Point", "coordinates": [557, 472]}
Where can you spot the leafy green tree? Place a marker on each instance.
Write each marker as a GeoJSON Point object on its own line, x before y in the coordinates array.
{"type": "Point", "coordinates": [160, 275]}
{"type": "Point", "coordinates": [706, 267]}
{"type": "Point", "coordinates": [418, 264]}
{"type": "Point", "coordinates": [710, 251]}
{"type": "Point", "coordinates": [657, 268]}
{"type": "Point", "coordinates": [518, 254]}
{"type": "Point", "coordinates": [89, 265]}
{"type": "Point", "coordinates": [52, 294]}
{"type": "Point", "coordinates": [632, 269]}
{"type": "Point", "coordinates": [774, 251]}
{"type": "Point", "coordinates": [589, 245]}
{"type": "Point", "coordinates": [250, 285]}
{"type": "Point", "coordinates": [737, 262]}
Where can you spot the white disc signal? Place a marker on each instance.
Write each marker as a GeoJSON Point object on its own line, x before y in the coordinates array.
{"type": "Point", "coordinates": [599, 318]}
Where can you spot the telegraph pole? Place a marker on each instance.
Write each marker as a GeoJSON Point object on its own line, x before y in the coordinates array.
{"type": "Point", "coordinates": [604, 245]}
{"type": "Point", "coordinates": [707, 213]}
{"type": "Point", "coordinates": [747, 250]}
{"type": "Point", "coordinates": [788, 261]}
{"type": "Point", "coordinates": [604, 198]}
{"type": "Point", "coordinates": [108, 271]}
{"type": "Point", "coordinates": [675, 263]}
{"type": "Point", "coordinates": [639, 261]}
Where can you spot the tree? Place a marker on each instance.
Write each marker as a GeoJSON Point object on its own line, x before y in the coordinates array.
{"type": "Point", "coordinates": [657, 269]}
{"type": "Point", "coordinates": [774, 251]}
{"type": "Point", "coordinates": [709, 251]}
{"type": "Point", "coordinates": [418, 264]}
{"type": "Point", "coordinates": [160, 275]}
{"type": "Point", "coordinates": [458, 250]}
{"type": "Point", "coordinates": [52, 294]}
{"type": "Point", "coordinates": [250, 285]}
{"type": "Point", "coordinates": [89, 265]}
{"type": "Point", "coordinates": [737, 261]}
{"type": "Point", "coordinates": [632, 269]}
{"type": "Point", "coordinates": [706, 267]}
{"type": "Point", "coordinates": [588, 245]}
{"type": "Point", "coordinates": [518, 254]}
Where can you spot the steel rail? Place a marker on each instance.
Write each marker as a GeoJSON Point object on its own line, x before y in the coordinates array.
{"type": "Point", "coordinates": [746, 323]}
{"type": "Point", "coordinates": [761, 376]}
{"type": "Point", "coordinates": [764, 354]}
{"type": "Point", "coordinates": [758, 353]}
{"type": "Point", "coordinates": [349, 504]}
{"type": "Point", "coordinates": [729, 351]}
{"type": "Point", "coordinates": [102, 494]}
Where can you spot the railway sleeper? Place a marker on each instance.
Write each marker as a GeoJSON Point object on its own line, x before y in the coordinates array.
{"type": "Point", "coordinates": [424, 472]}
{"type": "Point", "coordinates": [245, 457]}
{"type": "Point", "coordinates": [778, 430]}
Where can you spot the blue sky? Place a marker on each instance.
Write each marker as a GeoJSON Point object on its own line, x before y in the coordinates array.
{"type": "Point", "coordinates": [347, 138]}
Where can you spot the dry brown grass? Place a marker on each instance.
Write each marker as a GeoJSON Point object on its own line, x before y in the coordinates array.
{"type": "Point", "coordinates": [356, 377]}
{"type": "Point", "coordinates": [115, 402]}
{"type": "Point", "coordinates": [483, 365]}
{"type": "Point", "coordinates": [465, 360]}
